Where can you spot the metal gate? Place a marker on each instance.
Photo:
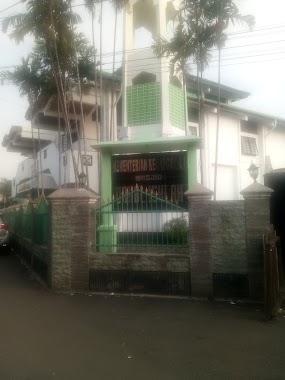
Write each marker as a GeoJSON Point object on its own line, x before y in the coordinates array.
{"type": "Point", "coordinates": [272, 275]}
{"type": "Point", "coordinates": [136, 226]}
{"type": "Point", "coordinates": [140, 221]}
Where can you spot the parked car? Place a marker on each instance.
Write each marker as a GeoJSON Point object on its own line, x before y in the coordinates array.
{"type": "Point", "coordinates": [4, 235]}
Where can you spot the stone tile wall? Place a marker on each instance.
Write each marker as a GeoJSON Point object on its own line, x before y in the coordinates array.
{"type": "Point", "coordinates": [228, 237]}
{"type": "Point", "coordinates": [140, 262]}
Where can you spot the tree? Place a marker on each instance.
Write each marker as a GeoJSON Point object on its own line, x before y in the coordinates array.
{"type": "Point", "coordinates": [91, 6]}
{"type": "Point", "coordinates": [5, 190]}
{"type": "Point", "coordinates": [42, 20]}
{"type": "Point", "coordinates": [193, 40]}
{"type": "Point", "coordinates": [223, 13]}
{"type": "Point", "coordinates": [202, 26]}
{"type": "Point", "coordinates": [60, 59]}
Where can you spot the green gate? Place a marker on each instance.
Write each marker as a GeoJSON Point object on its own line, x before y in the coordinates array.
{"type": "Point", "coordinates": [140, 221]}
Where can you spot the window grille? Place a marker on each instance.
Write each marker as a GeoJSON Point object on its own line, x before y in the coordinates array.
{"type": "Point", "coordinates": [87, 160]}
{"type": "Point", "coordinates": [193, 131]}
{"type": "Point", "coordinates": [248, 146]}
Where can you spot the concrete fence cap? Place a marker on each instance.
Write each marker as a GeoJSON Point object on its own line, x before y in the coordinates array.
{"type": "Point", "coordinates": [72, 194]}
{"type": "Point", "coordinates": [199, 191]}
{"type": "Point", "coordinates": [256, 190]}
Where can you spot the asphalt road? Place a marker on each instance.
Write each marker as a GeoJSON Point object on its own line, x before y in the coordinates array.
{"type": "Point", "coordinates": [49, 336]}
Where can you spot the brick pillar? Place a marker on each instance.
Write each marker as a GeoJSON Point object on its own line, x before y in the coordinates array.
{"type": "Point", "coordinates": [199, 200]}
{"type": "Point", "coordinates": [257, 221]}
{"type": "Point", "coordinates": [70, 239]}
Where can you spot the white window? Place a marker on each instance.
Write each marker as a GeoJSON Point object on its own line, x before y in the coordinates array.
{"type": "Point", "coordinates": [248, 146]}
{"type": "Point", "coordinates": [193, 129]}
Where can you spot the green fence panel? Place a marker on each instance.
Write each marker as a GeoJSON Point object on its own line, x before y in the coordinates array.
{"type": "Point", "coordinates": [28, 219]}
{"type": "Point", "coordinates": [41, 220]}
{"type": "Point", "coordinates": [19, 221]}
{"type": "Point", "coordinates": [13, 220]}
{"type": "Point", "coordinates": [11, 217]}
{"type": "Point", "coordinates": [8, 216]}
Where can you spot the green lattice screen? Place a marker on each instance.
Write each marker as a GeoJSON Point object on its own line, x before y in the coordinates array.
{"type": "Point", "coordinates": [176, 106]}
{"type": "Point", "coordinates": [144, 104]}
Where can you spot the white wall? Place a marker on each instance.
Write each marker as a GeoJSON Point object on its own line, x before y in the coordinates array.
{"type": "Point", "coordinates": [275, 147]}
{"type": "Point", "coordinates": [227, 182]}
{"type": "Point", "coordinates": [228, 155]}
{"type": "Point", "coordinates": [51, 161]}
{"type": "Point", "coordinates": [90, 128]}
{"type": "Point", "coordinates": [258, 160]}
{"type": "Point", "coordinates": [26, 175]}
{"type": "Point", "coordinates": [25, 169]}
{"type": "Point", "coordinates": [91, 132]}
{"type": "Point", "coordinates": [145, 221]}
{"type": "Point", "coordinates": [67, 173]}
{"type": "Point", "coordinates": [233, 175]}
{"type": "Point", "coordinates": [142, 60]}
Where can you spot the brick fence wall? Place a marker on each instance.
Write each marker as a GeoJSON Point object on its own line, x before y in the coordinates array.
{"type": "Point", "coordinates": [227, 238]}
{"type": "Point", "coordinates": [70, 239]}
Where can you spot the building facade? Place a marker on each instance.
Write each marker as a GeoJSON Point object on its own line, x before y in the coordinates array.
{"type": "Point", "coordinates": [145, 102]}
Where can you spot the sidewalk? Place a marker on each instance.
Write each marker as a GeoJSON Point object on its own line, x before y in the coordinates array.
{"type": "Point", "coordinates": [82, 337]}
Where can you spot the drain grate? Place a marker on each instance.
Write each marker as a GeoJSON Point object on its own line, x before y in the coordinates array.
{"type": "Point", "coordinates": [164, 283]}
{"type": "Point", "coordinates": [230, 285]}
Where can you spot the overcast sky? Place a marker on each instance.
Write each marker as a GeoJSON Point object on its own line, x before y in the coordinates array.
{"type": "Point", "coordinates": [252, 62]}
